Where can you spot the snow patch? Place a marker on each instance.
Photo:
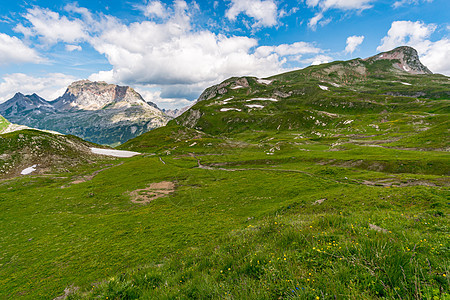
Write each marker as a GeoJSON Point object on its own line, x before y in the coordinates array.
{"type": "Point", "coordinates": [255, 106]}
{"type": "Point", "coordinates": [325, 88]}
{"type": "Point", "coordinates": [228, 99]}
{"type": "Point", "coordinates": [347, 122]}
{"type": "Point", "coordinates": [335, 84]}
{"type": "Point", "coordinates": [262, 99]}
{"type": "Point", "coordinates": [115, 153]}
{"type": "Point", "coordinates": [405, 83]}
{"type": "Point", "coordinates": [264, 81]}
{"type": "Point", "coordinates": [406, 68]}
{"type": "Point", "coordinates": [237, 87]}
{"type": "Point", "coordinates": [229, 108]}
{"type": "Point", "coordinates": [28, 170]}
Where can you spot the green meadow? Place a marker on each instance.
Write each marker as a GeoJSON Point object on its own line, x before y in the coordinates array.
{"type": "Point", "coordinates": [326, 183]}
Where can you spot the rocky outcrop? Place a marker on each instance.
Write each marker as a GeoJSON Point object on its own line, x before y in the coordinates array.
{"type": "Point", "coordinates": [406, 59]}
{"type": "Point", "coordinates": [88, 95]}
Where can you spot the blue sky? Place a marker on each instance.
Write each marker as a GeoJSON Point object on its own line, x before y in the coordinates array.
{"type": "Point", "coordinates": [170, 51]}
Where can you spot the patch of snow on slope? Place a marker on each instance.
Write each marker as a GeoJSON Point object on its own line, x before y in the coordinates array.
{"type": "Point", "coordinates": [115, 153]}
{"type": "Point", "coordinates": [335, 84]}
{"type": "Point", "coordinates": [29, 170]}
{"type": "Point", "coordinates": [264, 81]}
{"type": "Point", "coordinates": [263, 99]}
{"type": "Point", "coordinates": [405, 83]}
{"type": "Point", "coordinates": [255, 106]}
{"type": "Point", "coordinates": [325, 88]}
{"type": "Point", "coordinates": [229, 108]}
{"type": "Point", "coordinates": [237, 87]}
{"type": "Point", "coordinates": [228, 99]}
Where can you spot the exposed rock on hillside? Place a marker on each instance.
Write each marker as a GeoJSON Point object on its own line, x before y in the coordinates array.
{"type": "Point", "coordinates": [406, 59]}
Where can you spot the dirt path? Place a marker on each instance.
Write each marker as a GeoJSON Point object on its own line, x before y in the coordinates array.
{"type": "Point", "coordinates": [89, 177]}
{"type": "Point", "coordinates": [378, 183]}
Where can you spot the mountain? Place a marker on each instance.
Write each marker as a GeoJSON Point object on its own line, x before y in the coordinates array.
{"type": "Point", "coordinates": [314, 184]}
{"type": "Point", "coordinates": [20, 105]}
{"type": "Point", "coordinates": [176, 112]}
{"type": "Point", "coordinates": [325, 97]}
{"type": "Point", "coordinates": [95, 111]}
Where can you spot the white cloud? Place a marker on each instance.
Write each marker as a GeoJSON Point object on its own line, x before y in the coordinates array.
{"type": "Point", "coordinates": [341, 4]}
{"type": "Point", "coordinates": [263, 11]}
{"type": "Point", "coordinates": [171, 53]}
{"type": "Point", "coordinates": [287, 49]}
{"type": "Point", "coordinates": [407, 33]}
{"type": "Point", "coordinates": [317, 60]}
{"type": "Point", "coordinates": [325, 5]}
{"type": "Point", "coordinates": [399, 3]}
{"type": "Point", "coordinates": [156, 97]}
{"type": "Point", "coordinates": [312, 23]}
{"type": "Point", "coordinates": [353, 42]}
{"type": "Point", "coordinates": [13, 50]}
{"type": "Point", "coordinates": [435, 55]}
{"type": "Point", "coordinates": [51, 28]}
{"type": "Point", "coordinates": [71, 48]}
{"type": "Point", "coordinates": [153, 9]}
{"type": "Point", "coordinates": [49, 87]}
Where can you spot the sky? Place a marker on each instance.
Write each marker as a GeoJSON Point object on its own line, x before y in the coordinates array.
{"type": "Point", "coordinates": [170, 51]}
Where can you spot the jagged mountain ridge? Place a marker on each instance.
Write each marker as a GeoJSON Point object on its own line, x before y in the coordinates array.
{"type": "Point", "coordinates": [24, 104]}
{"type": "Point", "coordinates": [95, 111]}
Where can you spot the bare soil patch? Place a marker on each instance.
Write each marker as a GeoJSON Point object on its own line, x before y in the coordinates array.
{"type": "Point", "coordinates": [152, 192]}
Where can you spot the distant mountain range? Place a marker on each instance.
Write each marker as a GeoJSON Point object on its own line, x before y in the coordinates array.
{"type": "Point", "coordinates": [95, 111]}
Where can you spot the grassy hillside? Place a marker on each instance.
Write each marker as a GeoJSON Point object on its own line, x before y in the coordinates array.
{"type": "Point", "coordinates": [337, 190]}
{"type": "Point", "coordinates": [3, 123]}
{"type": "Point", "coordinates": [49, 152]}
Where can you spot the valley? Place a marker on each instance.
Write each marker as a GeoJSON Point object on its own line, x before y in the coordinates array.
{"type": "Point", "coordinates": [330, 182]}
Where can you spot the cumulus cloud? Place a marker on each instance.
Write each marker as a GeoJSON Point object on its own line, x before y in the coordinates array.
{"type": "Point", "coordinates": [172, 54]}
{"type": "Point", "coordinates": [166, 102]}
{"type": "Point", "coordinates": [13, 50]}
{"type": "Point", "coordinates": [49, 87]}
{"type": "Point", "coordinates": [434, 54]}
{"type": "Point", "coordinates": [353, 42]}
{"type": "Point", "coordinates": [407, 33]}
{"type": "Point", "coordinates": [287, 49]}
{"type": "Point", "coordinates": [263, 11]}
{"type": "Point", "coordinates": [154, 9]}
{"type": "Point", "coordinates": [51, 28]}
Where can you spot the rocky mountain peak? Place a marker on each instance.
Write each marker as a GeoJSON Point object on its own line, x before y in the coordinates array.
{"type": "Point", "coordinates": [95, 95]}
{"type": "Point", "coordinates": [407, 57]}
